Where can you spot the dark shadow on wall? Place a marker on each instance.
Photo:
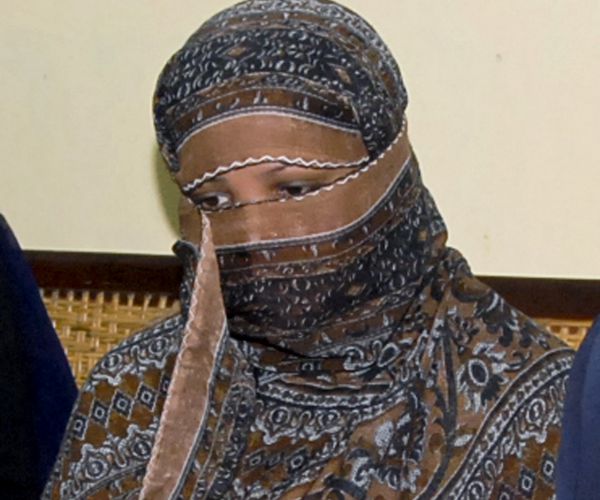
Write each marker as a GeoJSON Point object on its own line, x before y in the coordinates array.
{"type": "Point", "coordinates": [167, 189]}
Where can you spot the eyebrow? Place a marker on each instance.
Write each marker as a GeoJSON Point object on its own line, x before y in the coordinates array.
{"type": "Point", "coordinates": [278, 168]}
{"type": "Point", "coordinates": [220, 178]}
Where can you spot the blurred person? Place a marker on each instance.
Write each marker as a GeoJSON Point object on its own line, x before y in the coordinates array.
{"type": "Point", "coordinates": [37, 388]}
{"type": "Point", "coordinates": [578, 468]}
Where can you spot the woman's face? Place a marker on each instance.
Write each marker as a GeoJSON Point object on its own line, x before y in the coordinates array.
{"type": "Point", "coordinates": [212, 181]}
{"type": "Point", "coordinates": [253, 185]}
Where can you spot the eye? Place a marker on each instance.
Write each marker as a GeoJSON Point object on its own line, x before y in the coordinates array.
{"type": "Point", "coordinates": [212, 201]}
{"type": "Point", "coordinates": [295, 189]}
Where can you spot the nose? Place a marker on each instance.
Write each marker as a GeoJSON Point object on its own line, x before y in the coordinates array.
{"type": "Point", "coordinates": [251, 226]}
{"type": "Point", "coordinates": [248, 186]}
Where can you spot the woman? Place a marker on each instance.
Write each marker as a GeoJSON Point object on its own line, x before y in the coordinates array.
{"type": "Point", "coordinates": [330, 344]}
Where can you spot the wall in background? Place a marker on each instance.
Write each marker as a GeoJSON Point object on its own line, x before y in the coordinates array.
{"type": "Point", "coordinates": [503, 115]}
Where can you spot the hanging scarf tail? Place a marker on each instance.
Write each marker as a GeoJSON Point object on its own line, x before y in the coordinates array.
{"type": "Point", "coordinates": [190, 391]}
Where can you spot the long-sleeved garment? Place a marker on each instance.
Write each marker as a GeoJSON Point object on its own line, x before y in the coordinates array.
{"type": "Point", "coordinates": [579, 458]}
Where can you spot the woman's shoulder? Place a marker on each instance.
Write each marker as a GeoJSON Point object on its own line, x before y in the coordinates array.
{"type": "Point", "coordinates": [112, 426]}
{"type": "Point", "coordinates": [508, 376]}
{"type": "Point", "coordinates": [147, 350]}
{"type": "Point", "coordinates": [488, 317]}
{"type": "Point", "coordinates": [498, 347]}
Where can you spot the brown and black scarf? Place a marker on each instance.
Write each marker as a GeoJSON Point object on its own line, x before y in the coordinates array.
{"type": "Point", "coordinates": [327, 353]}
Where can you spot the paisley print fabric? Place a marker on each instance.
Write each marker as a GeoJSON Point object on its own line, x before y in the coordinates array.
{"type": "Point", "coordinates": [442, 392]}
{"type": "Point", "coordinates": [364, 362]}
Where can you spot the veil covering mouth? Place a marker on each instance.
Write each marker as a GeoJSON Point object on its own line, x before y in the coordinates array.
{"type": "Point", "coordinates": [320, 352]}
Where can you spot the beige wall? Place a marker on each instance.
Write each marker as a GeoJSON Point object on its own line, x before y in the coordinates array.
{"type": "Point", "coordinates": [504, 112]}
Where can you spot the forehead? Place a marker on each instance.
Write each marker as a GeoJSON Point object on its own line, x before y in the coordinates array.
{"type": "Point", "coordinates": [255, 138]}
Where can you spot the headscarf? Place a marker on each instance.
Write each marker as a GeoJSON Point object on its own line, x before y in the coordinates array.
{"type": "Point", "coordinates": [308, 58]}
{"type": "Point", "coordinates": [352, 356]}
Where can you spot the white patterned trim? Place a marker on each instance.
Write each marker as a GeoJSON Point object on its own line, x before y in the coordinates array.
{"type": "Point", "coordinates": [298, 162]}
{"type": "Point", "coordinates": [265, 111]}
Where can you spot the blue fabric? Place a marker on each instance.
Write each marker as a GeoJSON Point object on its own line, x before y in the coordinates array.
{"type": "Point", "coordinates": [37, 388]}
{"type": "Point", "coordinates": [578, 474]}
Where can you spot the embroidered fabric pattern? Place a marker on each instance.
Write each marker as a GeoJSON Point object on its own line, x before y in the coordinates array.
{"type": "Point", "coordinates": [423, 365]}
{"type": "Point", "coordinates": [360, 362]}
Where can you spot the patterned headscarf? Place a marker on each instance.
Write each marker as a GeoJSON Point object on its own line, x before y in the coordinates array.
{"type": "Point", "coordinates": [343, 357]}
{"type": "Point", "coordinates": [332, 65]}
